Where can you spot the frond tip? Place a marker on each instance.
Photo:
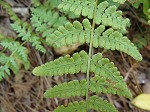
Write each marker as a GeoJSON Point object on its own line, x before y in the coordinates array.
{"type": "Point", "coordinates": [105, 14]}
{"type": "Point", "coordinates": [93, 102]}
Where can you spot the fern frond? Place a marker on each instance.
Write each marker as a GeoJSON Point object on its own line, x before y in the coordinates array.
{"type": "Point", "coordinates": [78, 7]}
{"type": "Point", "coordinates": [97, 84]}
{"type": "Point", "coordinates": [114, 40]}
{"type": "Point", "coordinates": [63, 36]}
{"type": "Point", "coordinates": [45, 20]}
{"type": "Point", "coordinates": [73, 88]}
{"type": "Point", "coordinates": [18, 56]}
{"type": "Point", "coordinates": [108, 39]}
{"type": "Point", "coordinates": [3, 71]}
{"type": "Point", "coordinates": [78, 63]}
{"type": "Point", "coordinates": [23, 28]}
{"type": "Point", "coordinates": [8, 62]}
{"type": "Point", "coordinates": [94, 103]}
{"type": "Point", "coordinates": [105, 15]}
{"type": "Point", "coordinates": [103, 67]}
{"type": "Point", "coordinates": [109, 86]}
{"type": "Point", "coordinates": [108, 16]}
{"type": "Point", "coordinates": [16, 48]}
{"type": "Point", "coordinates": [26, 33]}
{"type": "Point", "coordinates": [97, 103]}
{"type": "Point", "coordinates": [64, 65]}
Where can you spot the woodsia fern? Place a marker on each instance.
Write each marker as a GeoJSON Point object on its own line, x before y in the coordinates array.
{"type": "Point", "coordinates": [106, 31]}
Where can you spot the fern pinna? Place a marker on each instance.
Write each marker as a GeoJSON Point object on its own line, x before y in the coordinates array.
{"type": "Point", "coordinates": [13, 60]}
{"type": "Point", "coordinates": [106, 31]}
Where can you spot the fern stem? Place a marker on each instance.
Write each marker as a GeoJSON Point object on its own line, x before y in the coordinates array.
{"type": "Point", "coordinates": [90, 55]}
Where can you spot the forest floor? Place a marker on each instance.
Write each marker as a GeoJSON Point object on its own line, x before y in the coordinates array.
{"type": "Point", "coordinates": [24, 92]}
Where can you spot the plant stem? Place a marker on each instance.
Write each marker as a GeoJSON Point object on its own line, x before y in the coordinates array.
{"type": "Point", "coordinates": [90, 55]}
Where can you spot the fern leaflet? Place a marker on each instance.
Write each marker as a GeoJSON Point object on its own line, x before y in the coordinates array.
{"type": "Point", "coordinates": [78, 63]}
{"type": "Point", "coordinates": [97, 85]}
{"type": "Point", "coordinates": [45, 20]}
{"type": "Point", "coordinates": [64, 65]}
{"type": "Point", "coordinates": [23, 28]}
{"type": "Point", "coordinates": [94, 103]}
{"type": "Point", "coordinates": [17, 57]}
{"type": "Point", "coordinates": [105, 15]}
{"type": "Point", "coordinates": [101, 67]}
{"type": "Point", "coordinates": [108, 39]}
{"type": "Point", "coordinates": [26, 34]}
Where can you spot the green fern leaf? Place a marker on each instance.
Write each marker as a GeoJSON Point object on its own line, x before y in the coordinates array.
{"type": "Point", "coordinates": [108, 86]}
{"type": "Point", "coordinates": [97, 103]}
{"type": "Point", "coordinates": [108, 39]}
{"type": "Point", "coordinates": [78, 62]}
{"type": "Point", "coordinates": [45, 21]}
{"type": "Point", "coordinates": [3, 69]}
{"type": "Point", "coordinates": [97, 84]}
{"type": "Point", "coordinates": [18, 56]}
{"type": "Point", "coordinates": [62, 36]}
{"type": "Point", "coordinates": [114, 40]}
{"type": "Point", "coordinates": [105, 15]}
{"type": "Point", "coordinates": [26, 33]}
{"type": "Point", "coordinates": [73, 88]}
{"type": "Point", "coordinates": [108, 16]}
{"type": "Point", "coordinates": [94, 103]}
{"type": "Point", "coordinates": [10, 62]}
{"type": "Point", "coordinates": [3, 58]}
{"type": "Point", "coordinates": [85, 7]}
{"type": "Point", "coordinates": [103, 67]}
{"type": "Point", "coordinates": [64, 65]}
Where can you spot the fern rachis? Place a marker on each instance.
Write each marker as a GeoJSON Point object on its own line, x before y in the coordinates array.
{"type": "Point", "coordinates": [107, 78]}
